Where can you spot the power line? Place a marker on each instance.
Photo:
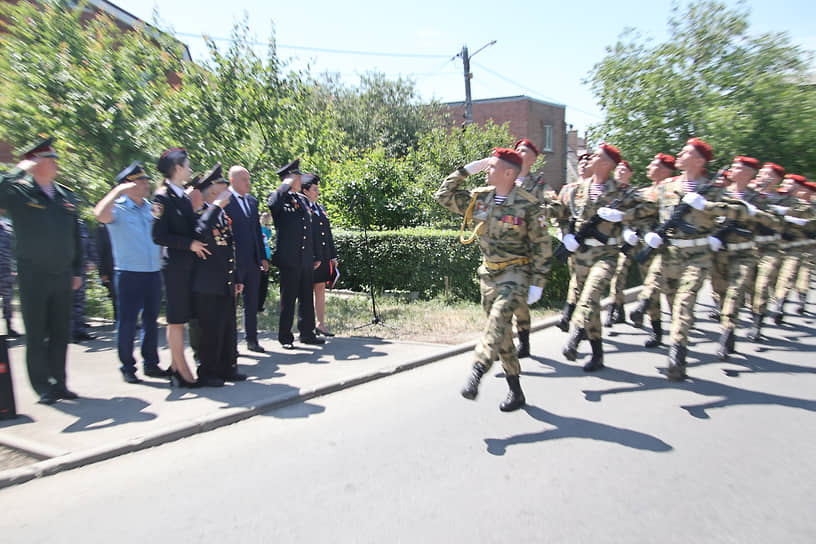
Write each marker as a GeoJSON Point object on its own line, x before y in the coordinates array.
{"type": "Point", "coordinates": [320, 49]}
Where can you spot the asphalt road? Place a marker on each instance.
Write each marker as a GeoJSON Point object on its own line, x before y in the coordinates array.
{"type": "Point", "coordinates": [619, 456]}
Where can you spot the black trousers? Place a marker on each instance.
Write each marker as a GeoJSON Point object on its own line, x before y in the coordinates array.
{"type": "Point", "coordinates": [264, 289]}
{"type": "Point", "coordinates": [216, 317]}
{"type": "Point", "coordinates": [251, 279]}
{"type": "Point", "coordinates": [46, 299]}
{"type": "Point", "coordinates": [296, 284]}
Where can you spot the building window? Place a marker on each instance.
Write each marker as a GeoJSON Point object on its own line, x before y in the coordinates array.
{"type": "Point", "coordinates": [547, 138]}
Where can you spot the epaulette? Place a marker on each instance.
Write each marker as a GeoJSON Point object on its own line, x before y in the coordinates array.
{"type": "Point", "coordinates": [65, 187]}
{"type": "Point", "coordinates": [527, 196]}
{"type": "Point", "coordinates": [485, 189]}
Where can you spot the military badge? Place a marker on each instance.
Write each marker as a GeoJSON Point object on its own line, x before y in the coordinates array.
{"type": "Point", "coordinates": [157, 210]}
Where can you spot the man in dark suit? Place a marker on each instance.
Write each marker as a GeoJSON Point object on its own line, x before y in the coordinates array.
{"type": "Point", "coordinates": [295, 254]}
{"type": "Point", "coordinates": [249, 250]}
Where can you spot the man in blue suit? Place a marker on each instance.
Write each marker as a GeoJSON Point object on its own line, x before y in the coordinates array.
{"type": "Point", "coordinates": [249, 249]}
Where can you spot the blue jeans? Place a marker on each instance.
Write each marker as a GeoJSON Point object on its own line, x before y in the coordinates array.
{"type": "Point", "coordinates": [138, 292]}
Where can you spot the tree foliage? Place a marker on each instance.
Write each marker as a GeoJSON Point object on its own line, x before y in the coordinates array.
{"type": "Point", "coordinates": [746, 94]}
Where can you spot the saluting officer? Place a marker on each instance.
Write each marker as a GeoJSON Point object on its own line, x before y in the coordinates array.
{"type": "Point", "coordinates": [296, 255]}
{"type": "Point", "coordinates": [49, 263]}
{"type": "Point", "coordinates": [215, 284]}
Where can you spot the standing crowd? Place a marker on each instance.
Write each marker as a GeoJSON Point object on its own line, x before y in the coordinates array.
{"type": "Point", "coordinates": [200, 243]}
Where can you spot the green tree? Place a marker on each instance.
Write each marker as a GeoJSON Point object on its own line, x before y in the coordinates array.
{"type": "Point", "coordinates": [745, 94]}
{"type": "Point", "coordinates": [92, 86]}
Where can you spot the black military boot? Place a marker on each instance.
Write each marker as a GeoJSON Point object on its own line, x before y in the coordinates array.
{"type": "Point", "coordinates": [515, 398]}
{"type": "Point", "coordinates": [755, 334]}
{"type": "Point", "coordinates": [610, 316]}
{"type": "Point", "coordinates": [714, 315]}
{"type": "Point", "coordinates": [471, 388]}
{"type": "Point", "coordinates": [677, 363]}
{"type": "Point", "coordinates": [524, 343]}
{"type": "Point", "coordinates": [11, 333]}
{"type": "Point", "coordinates": [566, 316]}
{"type": "Point", "coordinates": [778, 312]}
{"type": "Point", "coordinates": [726, 342]}
{"type": "Point", "coordinates": [636, 315]}
{"type": "Point", "coordinates": [656, 336]}
{"type": "Point", "coordinates": [620, 317]}
{"type": "Point", "coordinates": [596, 362]}
{"type": "Point", "coordinates": [801, 308]}
{"type": "Point", "coordinates": [570, 351]}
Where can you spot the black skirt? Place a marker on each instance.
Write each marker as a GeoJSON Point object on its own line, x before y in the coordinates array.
{"type": "Point", "coordinates": [322, 272]}
{"type": "Point", "coordinates": [178, 288]}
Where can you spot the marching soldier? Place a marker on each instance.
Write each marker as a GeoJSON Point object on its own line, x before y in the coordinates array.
{"type": "Point", "coordinates": [49, 262]}
{"type": "Point", "coordinates": [511, 229]}
{"type": "Point", "coordinates": [615, 314]}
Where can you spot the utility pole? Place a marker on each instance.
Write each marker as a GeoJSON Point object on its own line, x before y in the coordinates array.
{"type": "Point", "coordinates": [468, 76]}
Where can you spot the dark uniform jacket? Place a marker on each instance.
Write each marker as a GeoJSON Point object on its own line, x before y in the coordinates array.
{"type": "Point", "coordinates": [47, 229]}
{"type": "Point", "coordinates": [323, 235]}
{"type": "Point", "coordinates": [104, 251]}
{"type": "Point", "coordinates": [174, 226]}
{"type": "Point", "coordinates": [249, 249]}
{"type": "Point", "coordinates": [217, 274]}
{"type": "Point", "coordinates": [295, 246]}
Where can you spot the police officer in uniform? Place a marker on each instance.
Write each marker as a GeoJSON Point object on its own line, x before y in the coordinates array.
{"type": "Point", "coordinates": [296, 255]}
{"type": "Point", "coordinates": [49, 263]}
{"type": "Point", "coordinates": [512, 231]}
{"type": "Point", "coordinates": [215, 284]}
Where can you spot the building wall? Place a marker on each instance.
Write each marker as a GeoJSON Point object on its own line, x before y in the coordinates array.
{"type": "Point", "coordinates": [526, 118]}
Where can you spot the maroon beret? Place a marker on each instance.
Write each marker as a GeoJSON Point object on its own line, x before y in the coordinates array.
{"type": "Point", "coordinates": [612, 152]}
{"type": "Point", "coordinates": [702, 148]}
{"type": "Point", "coordinates": [526, 143]}
{"type": "Point", "coordinates": [796, 178]}
{"type": "Point", "coordinates": [666, 160]}
{"type": "Point", "coordinates": [776, 168]}
{"type": "Point", "coordinates": [508, 155]}
{"type": "Point", "coordinates": [811, 185]}
{"type": "Point", "coordinates": [750, 162]}
{"type": "Point", "coordinates": [626, 164]}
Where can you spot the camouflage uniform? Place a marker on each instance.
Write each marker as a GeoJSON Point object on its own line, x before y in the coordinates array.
{"type": "Point", "coordinates": [650, 194]}
{"type": "Point", "coordinates": [594, 266]}
{"type": "Point", "coordinates": [516, 252]}
{"type": "Point", "coordinates": [573, 287]}
{"type": "Point", "coordinates": [794, 251]}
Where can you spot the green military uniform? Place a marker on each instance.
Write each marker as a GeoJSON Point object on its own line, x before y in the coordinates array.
{"type": "Point", "coordinates": [516, 252]}
{"type": "Point", "coordinates": [49, 255]}
{"type": "Point", "coordinates": [573, 288]}
{"type": "Point", "coordinates": [593, 266]}
{"type": "Point", "coordinates": [794, 251]}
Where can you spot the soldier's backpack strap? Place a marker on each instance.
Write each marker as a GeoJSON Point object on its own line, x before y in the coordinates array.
{"type": "Point", "coordinates": [474, 194]}
{"type": "Point", "coordinates": [527, 195]}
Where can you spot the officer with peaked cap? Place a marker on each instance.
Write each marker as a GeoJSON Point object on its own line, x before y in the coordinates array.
{"type": "Point", "coordinates": [49, 261]}
{"type": "Point", "coordinates": [296, 255]}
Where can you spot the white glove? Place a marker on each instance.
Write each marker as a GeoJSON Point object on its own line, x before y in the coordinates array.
{"type": "Point", "coordinates": [781, 210]}
{"type": "Point", "coordinates": [695, 200]}
{"type": "Point", "coordinates": [610, 214]}
{"type": "Point", "coordinates": [714, 243]}
{"type": "Point", "coordinates": [630, 236]}
{"type": "Point", "coordinates": [570, 242]}
{"type": "Point", "coordinates": [796, 220]}
{"type": "Point", "coordinates": [751, 208]}
{"type": "Point", "coordinates": [534, 294]}
{"type": "Point", "coordinates": [476, 166]}
{"type": "Point", "coordinates": [653, 240]}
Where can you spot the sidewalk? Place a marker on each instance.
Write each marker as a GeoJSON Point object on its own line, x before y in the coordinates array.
{"type": "Point", "coordinates": [113, 417]}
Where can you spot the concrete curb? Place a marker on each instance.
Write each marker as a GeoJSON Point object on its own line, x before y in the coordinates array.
{"type": "Point", "coordinates": [66, 461]}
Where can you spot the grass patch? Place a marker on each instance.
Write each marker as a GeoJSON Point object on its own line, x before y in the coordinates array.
{"type": "Point", "coordinates": [418, 320]}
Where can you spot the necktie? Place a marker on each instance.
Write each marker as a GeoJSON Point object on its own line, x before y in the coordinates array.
{"type": "Point", "coordinates": [315, 209]}
{"type": "Point", "coordinates": [244, 205]}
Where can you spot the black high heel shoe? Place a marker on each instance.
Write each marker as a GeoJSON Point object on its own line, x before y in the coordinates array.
{"type": "Point", "coordinates": [177, 381]}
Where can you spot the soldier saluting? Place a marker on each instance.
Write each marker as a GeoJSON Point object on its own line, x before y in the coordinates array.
{"type": "Point", "coordinates": [512, 230]}
{"type": "Point", "coordinates": [49, 263]}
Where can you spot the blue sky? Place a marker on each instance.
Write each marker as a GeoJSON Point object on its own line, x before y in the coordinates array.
{"type": "Point", "coordinates": [543, 49]}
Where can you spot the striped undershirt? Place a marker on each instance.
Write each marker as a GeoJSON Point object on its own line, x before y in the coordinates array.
{"type": "Point", "coordinates": [689, 185]}
{"type": "Point", "coordinates": [595, 190]}
{"type": "Point", "coordinates": [499, 200]}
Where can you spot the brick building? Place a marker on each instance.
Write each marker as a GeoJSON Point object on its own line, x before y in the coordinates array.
{"type": "Point", "coordinates": [542, 122]}
{"type": "Point", "coordinates": [123, 20]}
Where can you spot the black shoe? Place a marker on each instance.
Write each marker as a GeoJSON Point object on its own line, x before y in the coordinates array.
{"type": "Point", "coordinates": [714, 315]}
{"type": "Point", "coordinates": [11, 333]}
{"type": "Point", "coordinates": [524, 344]}
{"type": "Point", "coordinates": [596, 362]}
{"type": "Point", "coordinates": [82, 336]}
{"type": "Point", "coordinates": [471, 388]}
{"type": "Point", "coordinates": [800, 310]}
{"type": "Point", "coordinates": [515, 398]}
{"type": "Point", "coordinates": [677, 363]}
{"type": "Point", "coordinates": [63, 392]}
{"type": "Point", "coordinates": [755, 334]}
{"type": "Point", "coordinates": [620, 315]}
{"type": "Point", "coordinates": [177, 381]}
{"type": "Point", "coordinates": [566, 316]}
{"type": "Point", "coordinates": [210, 381]}
{"type": "Point", "coordinates": [656, 336]}
{"type": "Point", "coordinates": [235, 376]}
{"type": "Point", "coordinates": [610, 316]}
{"type": "Point", "coordinates": [49, 397]}
{"type": "Point", "coordinates": [314, 340]}
{"type": "Point", "coordinates": [726, 341]}
{"type": "Point", "coordinates": [130, 377]}
{"type": "Point", "coordinates": [636, 315]}
{"type": "Point", "coordinates": [256, 347]}
{"type": "Point", "coordinates": [156, 372]}
{"type": "Point", "coordinates": [324, 333]}
{"type": "Point", "coordinates": [570, 350]}
{"type": "Point", "coordinates": [287, 345]}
